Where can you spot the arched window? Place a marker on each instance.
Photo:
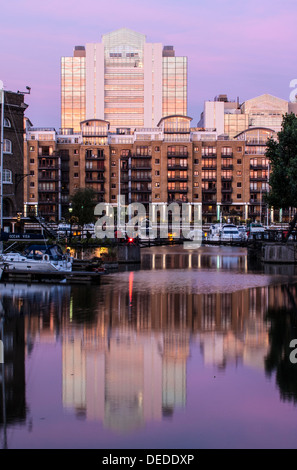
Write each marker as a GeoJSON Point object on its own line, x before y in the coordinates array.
{"type": "Point", "coordinates": [7, 147]}
{"type": "Point", "coordinates": [7, 176]}
{"type": "Point", "coordinates": [7, 122]}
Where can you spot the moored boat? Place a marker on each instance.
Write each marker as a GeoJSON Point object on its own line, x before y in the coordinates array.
{"type": "Point", "coordinates": [37, 258]}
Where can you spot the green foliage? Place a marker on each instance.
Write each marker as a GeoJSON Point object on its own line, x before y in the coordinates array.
{"type": "Point", "coordinates": [283, 165]}
{"type": "Point", "coordinates": [83, 203]}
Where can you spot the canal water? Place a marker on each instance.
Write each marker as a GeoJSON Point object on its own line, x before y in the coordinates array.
{"type": "Point", "coordinates": [190, 350]}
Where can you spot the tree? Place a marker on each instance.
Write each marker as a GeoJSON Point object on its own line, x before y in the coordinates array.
{"type": "Point", "coordinates": [82, 204]}
{"type": "Point", "coordinates": [282, 155]}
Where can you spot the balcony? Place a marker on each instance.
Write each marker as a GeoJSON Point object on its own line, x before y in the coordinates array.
{"type": "Point", "coordinates": [227, 201]}
{"type": "Point", "coordinates": [139, 157]}
{"type": "Point", "coordinates": [227, 155]}
{"type": "Point", "coordinates": [258, 167]}
{"type": "Point", "coordinates": [226, 167]}
{"type": "Point", "coordinates": [209, 155]}
{"type": "Point", "coordinates": [141, 178]}
{"type": "Point", "coordinates": [209, 190]}
{"type": "Point", "coordinates": [101, 179]}
{"type": "Point", "coordinates": [226, 178]}
{"type": "Point", "coordinates": [227, 190]}
{"type": "Point", "coordinates": [177, 155]}
{"type": "Point", "coordinates": [209, 201]}
{"type": "Point", "coordinates": [177, 167]}
{"type": "Point", "coordinates": [212, 167]}
{"type": "Point", "coordinates": [209, 179]}
{"type": "Point", "coordinates": [141, 190]}
{"type": "Point", "coordinates": [140, 166]}
{"type": "Point", "coordinates": [41, 190]}
{"type": "Point", "coordinates": [94, 156]}
{"type": "Point", "coordinates": [47, 166]}
{"type": "Point", "coordinates": [258, 178]}
{"type": "Point", "coordinates": [177, 178]}
{"type": "Point", "coordinates": [256, 142]}
{"type": "Point", "coordinates": [177, 190]}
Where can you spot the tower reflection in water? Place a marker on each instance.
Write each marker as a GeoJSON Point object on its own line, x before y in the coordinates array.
{"type": "Point", "coordinates": [126, 344]}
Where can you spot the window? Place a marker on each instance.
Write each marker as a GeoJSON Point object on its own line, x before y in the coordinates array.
{"type": "Point", "coordinates": [113, 197]}
{"type": "Point", "coordinates": [157, 149]}
{"type": "Point", "coordinates": [113, 152]}
{"type": "Point", "coordinates": [239, 185]}
{"type": "Point", "coordinates": [32, 195]}
{"type": "Point", "coordinates": [32, 160]}
{"type": "Point", "coordinates": [32, 148]}
{"type": "Point", "coordinates": [239, 162]}
{"type": "Point", "coordinates": [113, 186]}
{"type": "Point", "coordinates": [239, 149]}
{"type": "Point", "coordinates": [76, 163]}
{"type": "Point", "coordinates": [7, 146]}
{"type": "Point", "coordinates": [196, 173]}
{"type": "Point", "coordinates": [157, 185]}
{"type": "Point", "coordinates": [195, 196]}
{"type": "Point", "coordinates": [113, 163]}
{"type": "Point", "coordinates": [76, 152]}
{"type": "Point", "coordinates": [196, 161]}
{"type": "Point", "coordinates": [157, 196]}
{"type": "Point", "coordinates": [7, 176]}
{"type": "Point", "coordinates": [196, 185]}
{"type": "Point", "coordinates": [157, 173]}
{"type": "Point", "coordinates": [7, 122]}
{"type": "Point", "coordinates": [32, 184]}
{"type": "Point", "coordinates": [113, 175]}
{"type": "Point", "coordinates": [238, 196]}
{"type": "Point", "coordinates": [32, 173]}
{"type": "Point", "coordinates": [239, 173]}
{"type": "Point", "coordinates": [196, 149]}
{"type": "Point", "coordinates": [75, 175]}
{"type": "Point", "coordinates": [157, 161]}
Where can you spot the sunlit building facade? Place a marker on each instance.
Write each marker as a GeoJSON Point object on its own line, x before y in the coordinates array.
{"type": "Point", "coordinates": [124, 80]}
{"type": "Point", "coordinates": [73, 88]}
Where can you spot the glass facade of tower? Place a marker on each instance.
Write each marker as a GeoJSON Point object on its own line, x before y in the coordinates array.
{"type": "Point", "coordinates": [124, 78]}
{"type": "Point", "coordinates": [174, 86]}
{"type": "Point", "coordinates": [73, 92]}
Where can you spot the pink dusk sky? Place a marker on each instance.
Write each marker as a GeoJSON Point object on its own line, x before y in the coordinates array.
{"type": "Point", "coordinates": [242, 49]}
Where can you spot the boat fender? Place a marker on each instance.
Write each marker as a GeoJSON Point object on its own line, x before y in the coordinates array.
{"type": "Point", "coordinates": [45, 257]}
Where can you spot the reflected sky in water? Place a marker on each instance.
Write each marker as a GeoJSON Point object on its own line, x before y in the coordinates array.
{"type": "Point", "coordinates": [189, 350]}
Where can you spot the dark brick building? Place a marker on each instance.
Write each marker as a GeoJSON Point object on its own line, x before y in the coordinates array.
{"type": "Point", "coordinates": [13, 157]}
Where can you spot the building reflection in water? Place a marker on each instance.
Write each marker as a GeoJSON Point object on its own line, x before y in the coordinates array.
{"type": "Point", "coordinates": [125, 349]}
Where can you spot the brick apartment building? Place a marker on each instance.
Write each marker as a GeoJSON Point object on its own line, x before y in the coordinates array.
{"type": "Point", "coordinates": [226, 178]}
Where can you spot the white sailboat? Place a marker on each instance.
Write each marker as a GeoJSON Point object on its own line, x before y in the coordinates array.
{"type": "Point", "coordinates": [37, 258]}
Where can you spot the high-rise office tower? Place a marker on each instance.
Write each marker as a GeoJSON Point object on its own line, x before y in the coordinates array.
{"type": "Point", "coordinates": [123, 80]}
